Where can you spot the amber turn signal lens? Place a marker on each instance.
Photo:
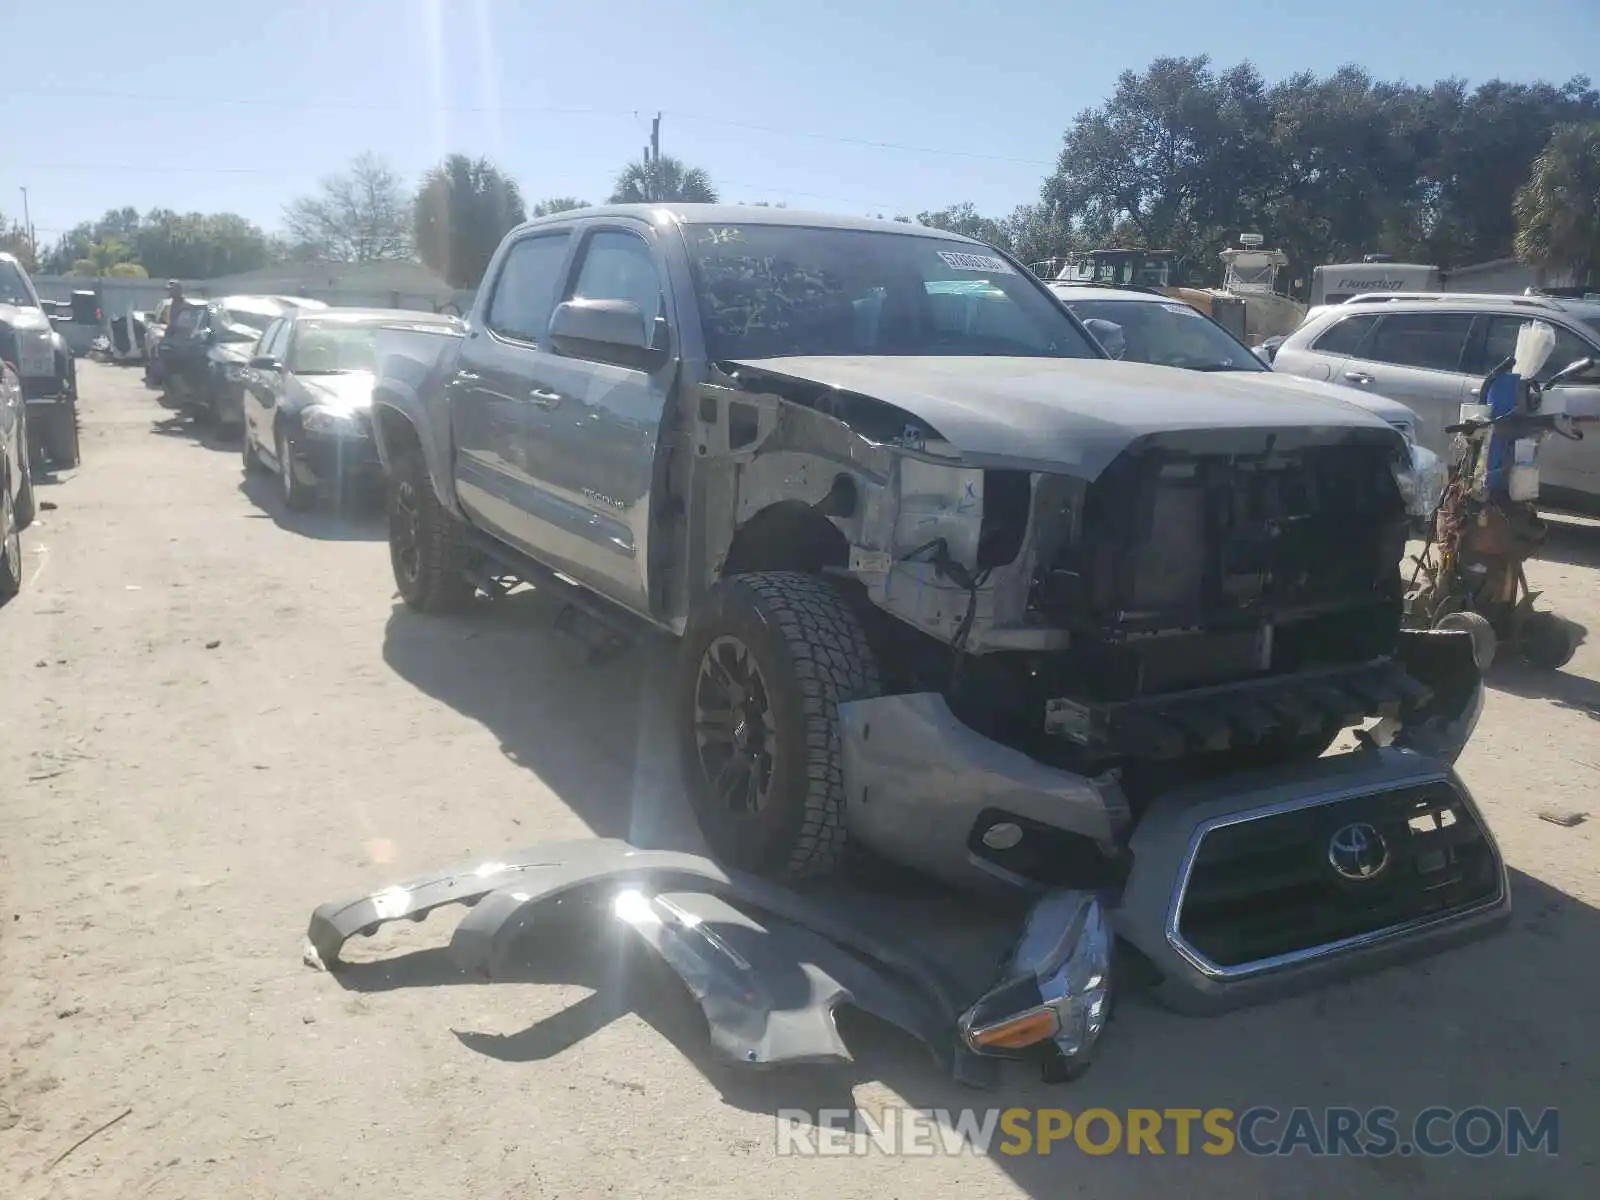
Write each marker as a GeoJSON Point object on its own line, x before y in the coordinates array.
{"type": "Point", "coordinates": [1037, 1025]}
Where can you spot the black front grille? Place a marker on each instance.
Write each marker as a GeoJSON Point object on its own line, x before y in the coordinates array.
{"type": "Point", "coordinates": [1266, 887]}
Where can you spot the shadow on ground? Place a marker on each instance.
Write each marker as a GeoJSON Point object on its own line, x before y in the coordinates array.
{"type": "Point", "coordinates": [1470, 1027]}
{"type": "Point", "coordinates": [1572, 541]}
{"type": "Point", "coordinates": [361, 519]}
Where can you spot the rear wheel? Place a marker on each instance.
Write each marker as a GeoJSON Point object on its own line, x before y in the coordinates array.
{"type": "Point", "coordinates": [425, 547]}
{"type": "Point", "coordinates": [10, 547]}
{"type": "Point", "coordinates": [26, 508]}
{"type": "Point", "coordinates": [766, 664]}
{"type": "Point", "coordinates": [60, 434]}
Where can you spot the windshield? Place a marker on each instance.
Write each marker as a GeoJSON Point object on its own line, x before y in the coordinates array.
{"type": "Point", "coordinates": [333, 348]}
{"type": "Point", "coordinates": [768, 291]}
{"type": "Point", "coordinates": [257, 321]}
{"type": "Point", "coordinates": [1170, 334]}
{"type": "Point", "coordinates": [14, 287]}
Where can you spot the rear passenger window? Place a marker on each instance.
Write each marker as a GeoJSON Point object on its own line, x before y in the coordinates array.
{"type": "Point", "coordinates": [1500, 343]}
{"type": "Point", "coordinates": [1345, 336]}
{"type": "Point", "coordinates": [1431, 341]}
{"type": "Point", "coordinates": [525, 293]}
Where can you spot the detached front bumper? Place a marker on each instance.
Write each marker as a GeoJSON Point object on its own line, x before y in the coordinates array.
{"type": "Point", "coordinates": [924, 790]}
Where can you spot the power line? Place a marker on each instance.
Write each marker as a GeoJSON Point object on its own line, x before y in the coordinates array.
{"type": "Point", "coordinates": [554, 110]}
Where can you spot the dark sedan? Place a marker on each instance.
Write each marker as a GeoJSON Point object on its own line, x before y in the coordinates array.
{"type": "Point", "coordinates": [308, 399]}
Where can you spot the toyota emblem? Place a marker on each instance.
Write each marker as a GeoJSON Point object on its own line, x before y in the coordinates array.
{"type": "Point", "coordinates": [1358, 852]}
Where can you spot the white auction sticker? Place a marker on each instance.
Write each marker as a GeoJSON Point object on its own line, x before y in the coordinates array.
{"type": "Point", "coordinates": [976, 262]}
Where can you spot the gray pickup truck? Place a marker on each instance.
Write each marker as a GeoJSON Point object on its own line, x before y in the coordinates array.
{"type": "Point", "coordinates": [953, 586]}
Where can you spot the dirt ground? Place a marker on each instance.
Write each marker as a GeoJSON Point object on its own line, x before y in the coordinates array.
{"type": "Point", "coordinates": [215, 716]}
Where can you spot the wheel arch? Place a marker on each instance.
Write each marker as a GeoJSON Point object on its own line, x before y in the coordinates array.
{"type": "Point", "coordinates": [399, 427]}
{"type": "Point", "coordinates": [788, 535]}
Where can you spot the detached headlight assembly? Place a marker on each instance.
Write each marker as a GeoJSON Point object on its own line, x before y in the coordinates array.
{"type": "Point", "coordinates": [331, 421]}
{"type": "Point", "coordinates": [1421, 481]}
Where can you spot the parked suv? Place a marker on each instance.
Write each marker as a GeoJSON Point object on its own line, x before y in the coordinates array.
{"type": "Point", "coordinates": [1430, 351]}
{"type": "Point", "coordinates": [949, 583]}
{"type": "Point", "coordinates": [44, 363]}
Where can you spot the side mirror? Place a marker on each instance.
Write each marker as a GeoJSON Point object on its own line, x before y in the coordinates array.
{"type": "Point", "coordinates": [608, 330]}
{"type": "Point", "coordinates": [1109, 334]}
{"type": "Point", "coordinates": [265, 362]}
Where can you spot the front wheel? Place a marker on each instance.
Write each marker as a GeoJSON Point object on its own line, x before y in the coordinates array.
{"type": "Point", "coordinates": [424, 542]}
{"type": "Point", "coordinates": [765, 665]}
{"type": "Point", "coordinates": [296, 496]}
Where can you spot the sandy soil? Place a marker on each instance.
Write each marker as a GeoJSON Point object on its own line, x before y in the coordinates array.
{"type": "Point", "coordinates": [215, 716]}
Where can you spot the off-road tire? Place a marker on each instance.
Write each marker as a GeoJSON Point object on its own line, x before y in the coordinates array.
{"type": "Point", "coordinates": [60, 435]}
{"type": "Point", "coordinates": [813, 655]}
{"type": "Point", "coordinates": [439, 583]}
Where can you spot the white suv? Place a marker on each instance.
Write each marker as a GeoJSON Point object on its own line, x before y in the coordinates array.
{"type": "Point", "coordinates": [1430, 351]}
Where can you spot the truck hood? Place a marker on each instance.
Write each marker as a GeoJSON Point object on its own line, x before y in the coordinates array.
{"type": "Point", "coordinates": [1075, 416]}
{"type": "Point", "coordinates": [1391, 411]}
{"type": "Point", "coordinates": [21, 317]}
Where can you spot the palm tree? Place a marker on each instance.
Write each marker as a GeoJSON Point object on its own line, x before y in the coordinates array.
{"type": "Point", "coordinates": [1558, 209]}
{"type": "Point", "coordinates": [654, 180]}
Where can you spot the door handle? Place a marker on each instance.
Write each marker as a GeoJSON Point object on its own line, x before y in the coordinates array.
{"type": "Point", "coordinates": [1358, 377]}
{"type": "Point", "coordinates": [545, 398]}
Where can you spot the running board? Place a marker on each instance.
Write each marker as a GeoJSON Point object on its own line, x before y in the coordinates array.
{"type": "Point", "coordinates": [605, 628]}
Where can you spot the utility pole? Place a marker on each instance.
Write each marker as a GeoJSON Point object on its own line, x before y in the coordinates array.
{"type": "Point", "coordinates": [653, 156]}
{"type": "Point", "coordinates": [27, 224]}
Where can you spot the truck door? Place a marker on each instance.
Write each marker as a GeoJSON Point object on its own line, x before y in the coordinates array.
{"type": "Point", "coordinates": [499, 422]}
{"type": "Point", "coordinates": [603, 418]}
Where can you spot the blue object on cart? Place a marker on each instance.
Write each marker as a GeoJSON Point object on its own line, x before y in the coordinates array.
{"type": "Point", "coordinates": [1502, 399]}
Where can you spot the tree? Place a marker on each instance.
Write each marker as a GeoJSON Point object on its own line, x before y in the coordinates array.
{"type": "Point", "coordinates": [164, 243]}
{"type": "Point", "coordinates": [108, 256]}
{"type": "Point", "coordinates": [359, 216]}
{"type": "Point", "coordinates": [1558, 209]}
{"type": "Point", "coordinates": [557, 204]}
{"type": "Point", "coordinates": [462, 210]}
{"type": "Point", "coordinates": [965, 219]}
{"type": "Point", "coordinates": [14, 239]}
{"type": "Point", "coordinates": [663, 180]}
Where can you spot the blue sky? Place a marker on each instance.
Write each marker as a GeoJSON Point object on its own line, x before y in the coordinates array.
{"type": "Point", "coordinates": [877, 105]}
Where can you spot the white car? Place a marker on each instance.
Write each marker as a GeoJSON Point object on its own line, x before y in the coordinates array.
{"type": "Point", "coordinates": [1148, 327]}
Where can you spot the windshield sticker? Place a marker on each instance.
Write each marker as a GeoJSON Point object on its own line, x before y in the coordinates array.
{"type": "Point", "coordinates": [976, 262]}
{"type": "Point", "coordinates": [724, 235]}
{"type": "Point", "coordinates": [1183, 310]}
